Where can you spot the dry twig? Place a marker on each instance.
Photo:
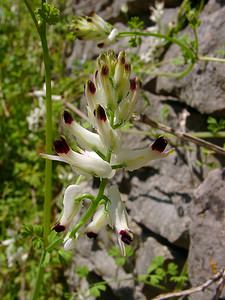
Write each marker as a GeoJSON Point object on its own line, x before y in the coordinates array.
{"type": "Point", "coordinates": [182, 135]}
{"type": "Point", "coordinates": [219, 276]}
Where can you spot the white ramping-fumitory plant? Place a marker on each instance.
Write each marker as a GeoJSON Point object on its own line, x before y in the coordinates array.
{"type": "Point", "coordinates": [111, 95]}
{"type": "Point", "coordinates": [93, 27]}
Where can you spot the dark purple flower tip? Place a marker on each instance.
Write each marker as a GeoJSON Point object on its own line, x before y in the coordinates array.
{"type": "Point", "coordinates": [91, 87]}
{"type": "Point", "coordinates": [100, 45]}
{"type": "Point", "coordinates": [126, 237]}
{"type": "Point", "coordinates": [61, 146]}
{"type": "Point", "coordinates": [159, 144]}
{"type": "Point", "coordinates": [133, 84]}
{"type": "Point", "coordinates": [91, 235]}
{"type": "Point", "coordinates": [127, 67]}
{"type": "Point", "coordinates": [100, 113]}
{"type": "Point", "coordinates": [105, 70]}
{"type": "Point", "coordinates": [89, 19]}
{"type": "Point", "coordinates": [59, 228]}
{"type": "Point", "coordinates": [67, 117]}
{"type": "Point", "coordinates": [122, 60]}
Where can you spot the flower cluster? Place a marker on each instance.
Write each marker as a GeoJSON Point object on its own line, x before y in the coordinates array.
{"type": "Point", "coordinates": [93, 27]}
{"type": "Point", "coordinates": [111, 97]}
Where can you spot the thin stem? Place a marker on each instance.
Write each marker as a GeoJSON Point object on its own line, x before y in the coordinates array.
{"type": "Point", "coordinates": [208, 58]}
{"type": "Point", "coordinates": [85, 196]}
{"type": "Point", "coordinates": [48, 134]}
{"type": "Point", "coordinates": [182, 135]}
{"type": "Point", "coordinates": [92, 208]}
{"type": "Point", "coordinates": [41, 29]}
{"type": "Point", "coordinates": [170, 39]}
{"type": "Point", "coordinates": [32, 15]}
{"type": "Point", "coordinates": [39, 277]}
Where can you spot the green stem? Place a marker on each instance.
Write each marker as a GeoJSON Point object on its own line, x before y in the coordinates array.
{"type": "Point", "coordinates": [84, 196]}
{"type": "Point", "coordinates": [92, 208]}
{"type": "Point", "coordinates": [48, 134]}
{"type": "Point", "coordinates": [170, 39]}
{"type": "Point", "coordinates": [208, 58]}
{"type": "Point", "coordinates": [41, 29]}
{"type": "Point", "coordinates": [39, 277]}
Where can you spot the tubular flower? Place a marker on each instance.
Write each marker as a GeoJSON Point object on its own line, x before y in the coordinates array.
{"type": "Point", "coordinates": [118, 215]}
{"type": "Point", "coordinates": [87, 163]}
{"type": "Point", "coordinates": [85, 138]}
{"type": "Point", "coordinates": [100, 219]}
{"type": "Point", "coordinates": [108, 135]}
{"type": "Point", "coordinates": [70, 208]}
{"type": "Point", "coordinates": [94, 28]}
{"type": "Point", "coordinates": [135, 159]}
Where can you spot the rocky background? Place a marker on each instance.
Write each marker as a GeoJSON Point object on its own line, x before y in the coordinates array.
{"type": "Point", "coordinates": [177, 205]}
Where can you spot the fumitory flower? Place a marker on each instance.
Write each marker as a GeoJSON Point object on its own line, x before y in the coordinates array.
{"type": "Point", "coordinates": [70, 208]}
{"type": "Point", "coordinates": [135, 159]}
{"type": "Point", "coordinates": [100, 219]}
{"type": "Point", "coordinates": [93, 27]}
{"type": "Point", "coordinates": [84, 163]}
{"type": "Point", "coordinates": [118, 215]}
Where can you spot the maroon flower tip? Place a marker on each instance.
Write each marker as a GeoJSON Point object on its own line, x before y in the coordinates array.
{"type": "Point", "coordinates": [61, 146]}
{"type": "Point", "coordinates": [100, 113]}
{"type": "Point", "coordinates": [159, 144]}
{"type": "Point", "coordinates": [59, 228]}
{"type": "Point", "coordinates": [127, 67]}
{"type": "Point", "coordinates": [122, 60]}
{"type": "Point", "coordinates": [105, 70]}
{"type": "Point", "coordinates": [91, 87]}
{"type": "Point", "coordinates": [100, 45]}
{"type": "Point", "coordinates": [68, 119]}
{"type": "Point", "coordinates": [133, 84]}
{"type": "Point", "coordinates": [126, 237]}
{"type": "Point", "coordinates": [89, 19]}
{"type": "Point", "coordinates": [91, 235]}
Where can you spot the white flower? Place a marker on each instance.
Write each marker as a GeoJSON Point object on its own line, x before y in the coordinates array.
{"type": "Point", "coordinates": [118, 215]}
{"type": "Point", "coordinates": [94, 28]}
{"type": "Point", "coordinates": [84, 164]}
{"type": "Point", "coordinates": [100, 219]}
{"type": "Point", "coordinates": [70, 208]}
{"type": "Point", "coordinates": [135, 159]}
{"type": "Point", "coordinates": [109, 136]}
{"type": "Point", "coordinates": [69, 244]}
{"type": "Point", "coordinates": [85, 138]}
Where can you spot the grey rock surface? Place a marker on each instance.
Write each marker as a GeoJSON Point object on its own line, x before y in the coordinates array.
{"type": "Point", "coordinates": [204, 87]}
{"type": "Point", "coordinates": [207, 233]}
{"type": "Point", "coordinates": [149, 249]}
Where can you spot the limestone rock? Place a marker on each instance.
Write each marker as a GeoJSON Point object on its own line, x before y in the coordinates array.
{"type": "Point", "coordinates": [207, 232]}
{"type": "Point", "coordinates": [204, 87]}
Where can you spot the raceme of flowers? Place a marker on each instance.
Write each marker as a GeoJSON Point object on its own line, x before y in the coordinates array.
{"type": "Point", "coordinates": [111, 95]}
{"type": "Point", "coordinates": [93, 27]}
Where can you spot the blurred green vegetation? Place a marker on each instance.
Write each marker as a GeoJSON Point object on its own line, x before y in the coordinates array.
{"type": "Point", "coordinates": [21, 184]}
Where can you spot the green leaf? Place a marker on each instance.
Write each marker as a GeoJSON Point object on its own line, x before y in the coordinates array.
{"type": "Point", "coordinates": [172, 269]}
{"type": "Point", "coordinates": [136, 23]}
{"type": "Point", "coordinates": [120, 261]}
{"type": "Point", "coordinates": [82, 271]}
{"type": "Point", "coordinates": [64, 256]}
{"type": "Point", "coordinates": [96, 289]}
{"type": "Point", "coordinates": [157, 262]}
